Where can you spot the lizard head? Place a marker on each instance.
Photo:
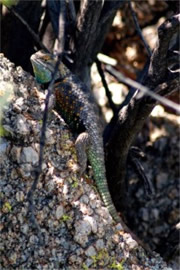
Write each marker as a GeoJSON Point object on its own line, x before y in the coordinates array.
{"type": "Point", "coordinates": [43, 66]}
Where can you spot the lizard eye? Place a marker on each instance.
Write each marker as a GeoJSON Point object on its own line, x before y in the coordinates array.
{"type": "Point", "coordinates": [46, 57]}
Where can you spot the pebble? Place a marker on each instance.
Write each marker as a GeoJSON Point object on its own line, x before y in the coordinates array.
{"type": "Point", "coordinates": [59, 211]}
{"type": "Point", "coordinates": [22, 126]}
{"type": "Point", "coordinates": [155, 213]}
{"type": "Point", "coordinates": [33, 239]}
{"type": "Point", "coordinates": [90, 251]}
{"type": "Point", "coordinates": [92, 222]}
{"type": "Point", "coordinates": [84, 199]}
{"type": "Point", "coordinates": [83, 227]}
{"type": "Point", "coordinates": [25, 170]}
{"type": "Point", "coordinates": [131, 243]}
{"type": "Point", "coordinates": [161, 180]}
{"type": "Point", "coordinates": [25, 228]}
{"type": "Point", "coordinates": [119, 227]}
{"type": "Point", "coordinates": [17, 106]}
{"type": "Point", "coordinates": [3, 148]}
{"type": "Point", "coordinates": [100, 244]}
{"type": "Point", "coordinates": [29, 155]}
{"type": "Point", "coordinates": [15, 153]}
{"type": "Point", "coordinates": [50, 139]}
{"type": "Point", "coordinates": [19, 196]}
{"type": "Point", "coordinates": [144, 214]}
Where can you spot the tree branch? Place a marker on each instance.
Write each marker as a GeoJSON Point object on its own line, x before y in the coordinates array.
{"type": "Point", "coordinates": [109, 8]}
{"type": "Point", "coordinates": [93, 22]}
{"type": "Point", "coordinates": [138, 29]}
{"type": "Point", "coordinates": [134, 114]}
{"type": "Point", "coordinates": [159, 60]}
{"type": "Point", "coordinates": [87, 21]}
{"type": "Point", "coordinates": [71, 11]}
{"type": "Point", "coordinates": [108, 93]}
{"type": "Point", "coordinates": [105, 21]}
{"type": "Point", "coordinates": [145, 90]}
{"type": "Point", "coordinates": [61, 28]}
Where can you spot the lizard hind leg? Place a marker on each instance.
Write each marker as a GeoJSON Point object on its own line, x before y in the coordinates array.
{"type": "Point", "coordinates": [81, 144]}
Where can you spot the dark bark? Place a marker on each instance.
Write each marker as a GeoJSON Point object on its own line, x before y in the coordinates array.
{"type": "Point", "coordinates": [93, 23]}
{"type": "Point", "coordinates": [133, 116]}
{"type": "Point", "coordinates": [86, 32]}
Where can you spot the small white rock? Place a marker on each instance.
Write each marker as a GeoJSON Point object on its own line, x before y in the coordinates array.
{"type": "Point", "coordinates": [33, 239]}
{"type": "Point", "coordinates": [18, 104]}
{"type": "Point", "coordinates": [90, 251]}
{"type": "Point", "coordinates": [92, 222]}
{"type": "Point", "coordinates": [83, 227]}
{"type": "Point", "coordinates": [19, 196]}
{"type": "Point", "coordinates": [25, 228]}
{"type": "Point", "coordinates": [85, 209]}
{"type": "Point", "coordinates": [65, 189]}
{"type": "Point", "coordinates": [59, 211]}
{"type": "Point", "coordinates": [131, 243]}
{"type": "Point", "coordinates": [100, 244]}
{"type": "Point", "coordinates": [84, 199]}
{"type": "Point", "coordinates": [82, 230]}
{"type": "Point", "coordinates": [21, 125]}
{"type": "Point", "coordinates": [50, 139]}
{"type": "Point", "coordinates": [29, 155]}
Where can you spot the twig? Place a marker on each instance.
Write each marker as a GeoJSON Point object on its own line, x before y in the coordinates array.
{"type": "Point", "coordinates": [38, 170]}
{"type": "Point", "coordinates": [148, 186]}
{"type": "Point", "coordinates": [72, 11]}
{"type": "Point", "coordinates": [109, 8]}
{"type": "Point", "coordinates": [108, 129]}
{"type": "Point", "coordinates": [108, 93]}
{"type": "Point", "coordinates": [121, 78]}
{"type": "Point", "coordinates": [61, 28]}
{"type": "Point", "coordinates": [45, 117]}
{"type": "Point", "coordinates": [138, 29]}
{"type": "Point", "coordinates": [35, 37]}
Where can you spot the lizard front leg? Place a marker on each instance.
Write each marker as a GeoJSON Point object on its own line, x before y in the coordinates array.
{"type": "Point", "coordinates": [81, 144]}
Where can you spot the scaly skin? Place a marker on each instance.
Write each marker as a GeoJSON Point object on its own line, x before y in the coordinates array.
{"type": "Point", "coordinates": [73, 105]}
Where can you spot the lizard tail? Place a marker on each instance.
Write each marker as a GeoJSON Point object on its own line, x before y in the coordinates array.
{"type": "Point", "coordinates": [96, 158]}
{"type": "Point", "coordinates": [106, 197]}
